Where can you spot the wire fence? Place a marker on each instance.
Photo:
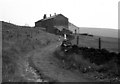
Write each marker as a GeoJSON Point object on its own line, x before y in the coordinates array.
{"type": "Point", "coordinates": [97, 42]}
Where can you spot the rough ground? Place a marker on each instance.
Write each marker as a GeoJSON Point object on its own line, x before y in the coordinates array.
{"type": "Point", "coordinates": [27, 55]}
{"type": "Point", "coordinates": [51, 67]}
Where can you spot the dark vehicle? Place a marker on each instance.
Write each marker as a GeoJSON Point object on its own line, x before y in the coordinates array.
{"type": "Point", "coordinates": [66, 45]}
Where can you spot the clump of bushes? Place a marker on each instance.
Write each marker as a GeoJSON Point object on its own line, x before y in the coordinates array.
{"type": "Point", "coordinates": [90, 60]}
{"type": "Point", "coordinates": [97, 56]}
{"type": "Point", "coordinates": [74, 61]}
{"type": "Point", "coordinates": [107, 62]}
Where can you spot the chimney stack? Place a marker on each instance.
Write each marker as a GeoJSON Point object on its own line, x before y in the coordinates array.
{"type": "Point", "coordinates": [55, 14]}
{"type": "Point", "coordinates": [50, 15]}
{"type": "Point", "coordinates": [44, 17]}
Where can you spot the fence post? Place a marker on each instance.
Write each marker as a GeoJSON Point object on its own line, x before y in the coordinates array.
{"type": "Point", "coordinates": [116, 66]}
{"type": "Point", "coordinates": [99, 43]}
{"type": "Point", "coordinates": [77, 40]}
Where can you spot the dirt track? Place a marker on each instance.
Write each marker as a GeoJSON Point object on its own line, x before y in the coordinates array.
{"type": "Point", "coordinates": [44, 60]}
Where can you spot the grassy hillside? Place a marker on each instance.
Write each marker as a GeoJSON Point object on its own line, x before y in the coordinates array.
{"type": "Point", "coordinates": [108, 43]}
{"type": "Point", "coordinates": [101, 31]}
{"type": "Point", "coordinates": [95, 31]}
{"type": "Point", "coordinates": [17, 41]}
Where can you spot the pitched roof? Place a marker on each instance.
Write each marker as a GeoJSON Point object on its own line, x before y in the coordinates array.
{"type": "Point", "coordinates": [60, 27]}
{"type": "Point", "coordinates": [53, 16]}
{"type": "Point", "coordinates": [50, 17]}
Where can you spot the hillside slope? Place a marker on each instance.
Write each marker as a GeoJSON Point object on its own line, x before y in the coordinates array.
{"type": "Point", "coordinates": [108, 37]}
{"type": "Point", "coordinates": [17, 41]}
{"type": "Point", "coordinates": [28, 56]}
{"type": "Point", "coordinates": [28, 52]}
{"type": "Point", "coordinates": [95, 31]}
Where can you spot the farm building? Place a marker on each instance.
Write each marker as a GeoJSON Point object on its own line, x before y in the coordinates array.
{"type": "Point", "coordinates": [54, 24]}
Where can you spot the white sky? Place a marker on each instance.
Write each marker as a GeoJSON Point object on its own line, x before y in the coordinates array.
{"type": "Point", "coordinates": [82, 13]}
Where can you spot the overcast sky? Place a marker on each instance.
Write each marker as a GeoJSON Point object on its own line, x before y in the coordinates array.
{"type": "Point", "coordinates": [82, 13]}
